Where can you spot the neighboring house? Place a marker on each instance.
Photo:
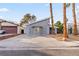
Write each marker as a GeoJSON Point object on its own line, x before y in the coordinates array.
{"type": "Point", "coordinates": [70, 28]}
{"type": "Point", "coordinates": [38, 28]}
{"type": "Point", "coordinates": [9, 27]}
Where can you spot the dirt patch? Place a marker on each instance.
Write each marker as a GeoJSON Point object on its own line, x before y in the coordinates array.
{"type": "Point", "coordinates": [60, 37]}
{"type": "Point", "coordinates": [8, 36]}
{"type": "Point", "coordinates": [57, 36]}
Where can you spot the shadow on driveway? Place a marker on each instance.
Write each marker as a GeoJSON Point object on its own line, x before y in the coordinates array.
{"type": "Point", "coordinates": [22, 53]}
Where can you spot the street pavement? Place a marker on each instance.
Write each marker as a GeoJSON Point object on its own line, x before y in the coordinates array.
{"type": "Point", "coordinates": [41, 52]}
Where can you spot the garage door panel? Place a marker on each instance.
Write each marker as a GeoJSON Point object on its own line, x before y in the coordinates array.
{"type": "Point", "coordinates": [10, 29]}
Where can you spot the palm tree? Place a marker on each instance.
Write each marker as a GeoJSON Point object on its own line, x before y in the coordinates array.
{"type": "Point", "coordinates": [74, 17]}
{"type": "Point", "coordinates": [52, 20]}
{"type": "Point", "coordinates": [64, 23]}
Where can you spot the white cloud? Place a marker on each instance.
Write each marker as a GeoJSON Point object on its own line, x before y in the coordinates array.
{"type": "Point", "coordinates": [4, 10]}
{"type": "Point", "coordinates": [1, 17]}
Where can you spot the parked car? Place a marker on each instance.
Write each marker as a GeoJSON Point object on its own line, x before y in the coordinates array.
{"type": "Point", "coordinates": [2, 31]}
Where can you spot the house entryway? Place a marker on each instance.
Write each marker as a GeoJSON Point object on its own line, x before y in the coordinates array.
{"type": "Point", "coordinates": [22, 31]}
{"type": "Point", "coordinates": [70, 30]}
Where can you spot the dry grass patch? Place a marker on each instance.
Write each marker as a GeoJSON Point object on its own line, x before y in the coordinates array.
{"type": "Point", "coordinates": [60, 37]}
{"type": "Point", "coordinates": [74, 37]}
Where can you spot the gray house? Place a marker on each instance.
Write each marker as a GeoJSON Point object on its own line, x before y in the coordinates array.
{"type": "Point", "coordinates": [38, 28]}
{"type": "Point", "coordinates": [70, 28]}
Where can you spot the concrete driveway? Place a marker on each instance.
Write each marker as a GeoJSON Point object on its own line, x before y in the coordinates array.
{"type": "Point", "coordinates": [23, 41]}
{"type": "Point", "coordinates": [22, 45]}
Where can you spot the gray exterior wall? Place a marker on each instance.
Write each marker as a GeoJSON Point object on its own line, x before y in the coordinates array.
{"type": "Point", "coordinates": [43, 23]}
{"type": "Point", "coordinates": [70, 25]}
{"type": "Point", "coordinates": [78, 28]}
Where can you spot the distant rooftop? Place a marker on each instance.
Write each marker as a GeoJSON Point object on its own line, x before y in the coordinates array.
{"type": "Point", "coordinates": [39, 21]}
{"type": "Point", "coordinates": [2, 20]}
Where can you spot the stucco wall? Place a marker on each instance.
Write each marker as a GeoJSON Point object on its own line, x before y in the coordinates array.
{"type": "Point", "coordinates": [71, 25]}
{"type": "Point", "coordinates": [78, 28]}
{"type": "Point", "coordinates": [18, 30]}
{"type": "Point", "coordinates": [43, 23]}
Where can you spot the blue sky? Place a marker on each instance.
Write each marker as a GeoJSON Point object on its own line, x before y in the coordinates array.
{"type": "Point", "coordinates": [15, 11]}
